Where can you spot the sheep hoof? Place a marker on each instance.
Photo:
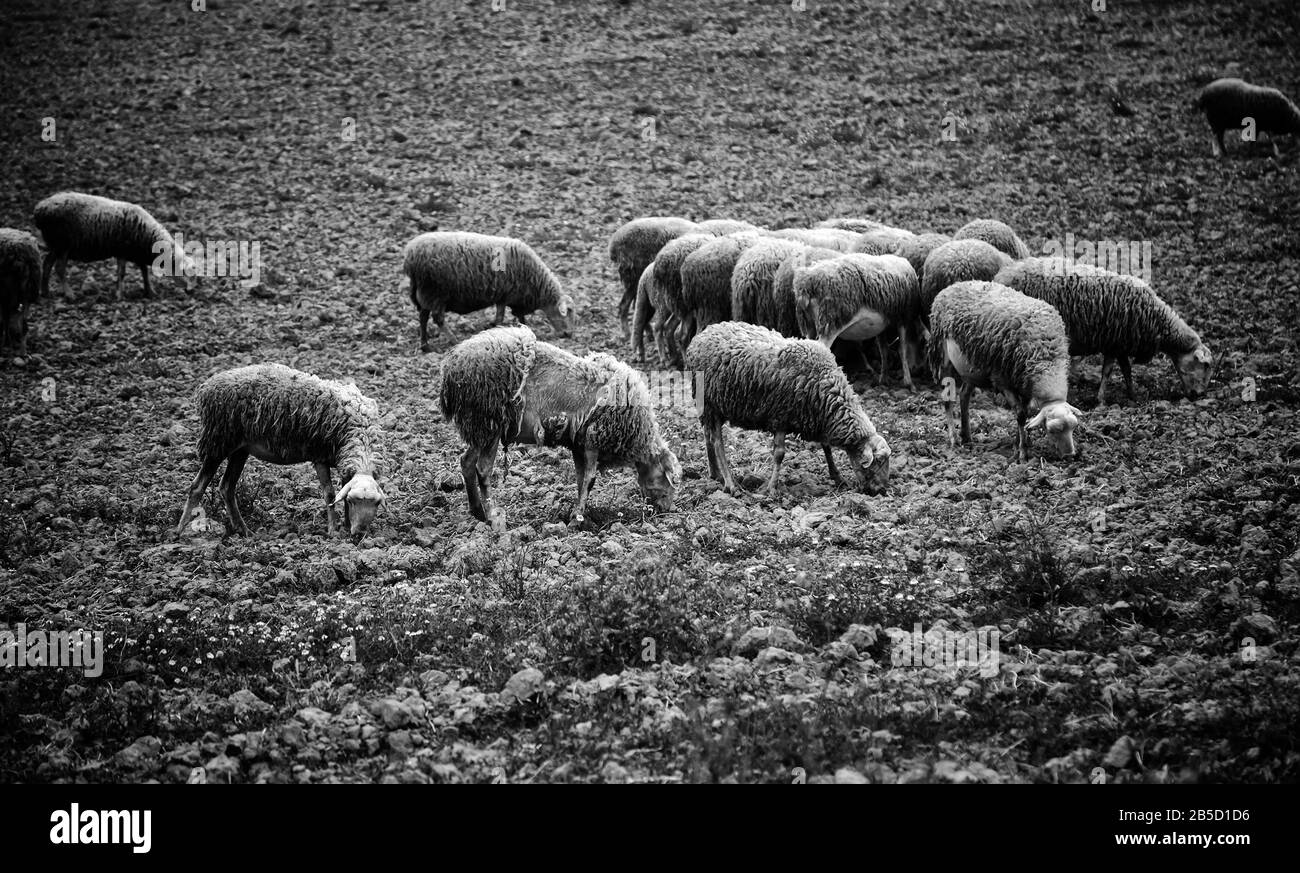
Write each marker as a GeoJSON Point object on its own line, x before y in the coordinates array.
{"type": "Point", "coordinates": [425, 348]}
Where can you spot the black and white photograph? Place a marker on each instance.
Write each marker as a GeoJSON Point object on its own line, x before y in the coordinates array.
{"type": "Point", "coordinates": [650, 392]}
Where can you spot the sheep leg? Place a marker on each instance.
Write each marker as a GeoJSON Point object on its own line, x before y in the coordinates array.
{"type": "Point", "coordinates": [46, 266]}
{"type": "Point", "coordinates": [207, 470]}
{"type": "Point", "coordinates": [778, 455]}
{"type": "Point", "coordinates": [671, 323]}
{"type": "Point", "coordinates": [967, 389]}
{"type": "Point", "coordinates": [830, 465]}
{"type": "Point", "coordinates": [880, 350]}
{"type": "Point", "coordinates": [685, 332]}
{"type": "Point", "coordinates": [587, 463]}
{"type": "Point", "coordinates": [714, 435]}
{"type": "Point", "coordinates": [1076, 364]}
{"type": "Point", "coordinates": [144, 274]}
{"type": "Point", "coordinates": [62, 268]}
{"type": "Point", "coordinates": [902, 356]}
{"type": "Point", "coordinates": [714, 472]}
{"type": "Point", "coordinates": [469, 472]}
{"type": "Point", "coordinates": [1126, 367]}
{"type": "Point", "coordinates": [483, 471]}
{"type": "Point", "coordinates": [1216, 142]}
{"type": "Point", "coordinates": [1022, 436]}
{"type": "Point", "coordinates": [326, 491]}
{"type": "Point", "coordinates": [501, 315]}
{"type": "Point", "coordinates": [234, 467]}
{"type": "Point", "coordinates": [121, 279]}
{"type": "Point", "coordinates": [424, 331]}
{"type": "Point", "coordinates": [1107, 364]}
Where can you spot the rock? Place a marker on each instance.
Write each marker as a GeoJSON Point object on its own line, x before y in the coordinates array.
{"type": "Point", "coordinates": [313, 716]}
{"type": "Point", "coordinates": [613, 773]}
{"type": "Point", "coordinates": [776, 655]}
{"type": "Point", "coordinates": [1121, 752]}
{"type": "Point", "coordinates": [758, 638]}
{"type": "Point", "coordinates": [247, 703]}
{"type": "Point", "coordinates": [433, 680]}
{"type": "Point", "coordinates": [175, 610]}
{"type": "Point", "coordinates": [1258, 626]}
{"type": "Point", "coordinates": [400, 742]}
{"type": "Point", "coordinates": [841, 651]}
{"type": "Point", "coordinates": [393, 713]}
{"type": "Point", "coordinates": [613, 549]}
{"type": "Point", "coordinates": [522, 685]}
{"type": "Point", "coordinates": [142, 751]}
{"type": "Point", "coordinates": [859, 636]}
{"type": "Point", "coordinates": [849, 776]}
{"type": "Point", "coordinates": [221, 769]}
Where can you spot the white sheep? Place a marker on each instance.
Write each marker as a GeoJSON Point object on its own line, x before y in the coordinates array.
{"type": "Point", "coordinates": [85, 227]}
{"type": "Point", "coordinates": [462, 272]}
{"type": "Point", "coordinates": [20, 285]}
{"type": "Point", "coordinates": [503, 386]}
{"type": "Point", "coordinates": [882, 241]}
{"type": "Point", "coordinates": [785, 316]}
{"type": "Point", "coordinates": [996, 234]}
{"type": "Point", "coordinates": [821, 238]}
{"type": "Point", "coordinates": [961, 260]}
{"type": "Point", "coordinates": [634, 246]}
{"type": "Point", "coordinates": [751, 281]}
{"type": "Point", "coordinates": [1237, 105]}
{"type": "Point", "coordinates": [1116, 316]}
{"type": "Point", "coordinates": [671, 313]}
{"type": "Point", "coordinates": [706, 282]}
{"type": "Point", "coordinates": [754, 378]}
{"type": "Point", "coordinates": [858, 297]}
{"type": "Point", "coordinates": [997, 338]}
{"type": "Point", "coordinates": [916, 249]}
{"type": "Point", "coordinates": [284, 416]}
{"type": "Point", "coordinates": [857, 225]}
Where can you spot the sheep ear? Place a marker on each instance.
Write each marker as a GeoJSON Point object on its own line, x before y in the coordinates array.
{"type": "Point", "coordinates": [1037, 420]}
{"type": "Point", "coordinates": [343, 493]}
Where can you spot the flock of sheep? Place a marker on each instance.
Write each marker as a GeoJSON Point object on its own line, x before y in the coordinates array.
{"type": "Point", "coordinates": [752, 314]}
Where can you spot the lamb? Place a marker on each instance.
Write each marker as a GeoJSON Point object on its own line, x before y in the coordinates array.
{"type": "Point", "coordinates": [1227, 103]}
{"type": "Point", "coordinates": [996, 234]}
{"type": "Point", "coordinates": [461, 272]}
{"type": "Point", "coordinates": [754, 378]}
{"type": "Point", "coordinates": [751, 281]}
{"type": "Point", "coordinates": [857, 297]}
{"type": "Point", "coordinates": [961, 260]}
{"type": "Point", "coordinates": [285, 416]}
{"type": "Point", "coordinates": [997, 338]}
{"type": "Point", "coordinates": [706, 283]}
{"type": "Point", "coordinates": [1118, 316]}
{"type": "Point", "coordinates": [84, 227]}
{"type": "Point", "coordinates": [669, 317]}
{"type": "Point", "coordinates": [20, 284]}
{"type": "Point", "coordinates": [503, 386]}
{"type": "Point", "coordinates": [634, 246]}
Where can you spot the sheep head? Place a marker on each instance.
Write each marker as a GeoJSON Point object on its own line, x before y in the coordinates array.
{"type": "Point", "coordinates": [361, 497]}
{"type": "Point", "coordinates": [1059, 419]}
{"type": "Point", "coordinates": [870, 460]}
{"type": "Point", "coordinates": [562, 315]}
{"type": "Point", "coordinates": [658, 479]}
{"type": "Point", "coordinates": [1195, 369]}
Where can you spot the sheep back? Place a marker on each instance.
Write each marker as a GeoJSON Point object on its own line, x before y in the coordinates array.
{"type": "Point", "coordinates": [471, 271]}
{"type": "Point", "coordinates": [961, 260]}
{"type": "Point", "coordinates": [483, 382]}
{"type": "Point", "coordinates": [751, 280]}
{"type": "Point", "coordinates": [706, 275]}
{"type": "Point", "coordinates": [996, 234]}
{"type": "Point", "coordinates": [786, 317]}
{"type": "Point", "coordinates": [668, 269]}
{"type": "Point", "coordinates": [829, 295]}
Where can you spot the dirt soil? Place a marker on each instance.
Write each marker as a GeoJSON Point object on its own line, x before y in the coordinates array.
{"type": "Point", "coordinates": [1144, 593]}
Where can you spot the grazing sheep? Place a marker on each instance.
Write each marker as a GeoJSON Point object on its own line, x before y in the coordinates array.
{"type": "Point", "coordinates": [648, 302]}
{"type": "Point", "coordinates": [670, 316]}
{"type": "Point", "coordinates": [1227, 103]}
{"type": "Point", "coordinates": [503, 386]}
{"type": "Point", "coordinates": [785, 318]}
{"type": "Point", "coordinates": [84, 227]}
{"type": "Point", "coordinates": [821, 238]}
{"type": "Point", "coordinates": [1117, 316]}
{"type": "Point", "coordinates": [961, 260]}
{"type": "Point", "coordinates": [461, 272]}
{"type": "Point", "coordinates": [754, 378]}
{"type": "Point", "coordinates": [284, 416]}
{"type": "Point", "coordinates": [751, 281]}
{"type": "Point", "coordinates": [916, 249]}
{"type": "Point", "coordinates": [997, 338]}
{"type": "Point", "coordinates": [996, 234]}
{"type": "Point", "coordinates": [634, 246]}
{"type": "Point", "coordinates": [706, 283]}
{"type": "Point", "coordinates": [857, 297]}
{"type": "Point", "coordinates": [882, 241]}
{"type": "Point", "coordinates": [20, 285]}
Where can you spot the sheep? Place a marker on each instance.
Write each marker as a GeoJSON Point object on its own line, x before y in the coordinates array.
{"type": "Point", "coordinates": [857, 297]}
{"type": "Point", "coordinates": [85, 227]}
{"type": "Point", "coordinates": [857, 225]}
{"type": "Point", "coordinates": [751, 281]}
{"type": "Point", "coordinates": [706, 283]}
{"type": "Point", "coordinates": [1228, 103]}
{"type": "Point", "coordinates": [996, 338]}
{"type": "Point", "coordinates": [1118, 316]}
{"type": "Point", "coordinates": [724, 226]}
{"type": "Point", "coordinates": [669, 317]}
{"type": "Point", "coordinates": [20, 284]}
{"type": "Point", "coordinates": [648, 302]}
{"type": "Point", "coordinates": [961, 260]}
{"type": "Point", "coordinates": [634, 245]}
{"type": "Point", "coordinates": [784, 318]}
{"type": "Point", "coordinates": [996, 234]}
{"type": "Point", "coordinates": [754, 378]}
{"type": "Point", "coordinates": [916, 249]}
{"type": "Point", "coordinates": [504, 386]}
{"type": "Point", "coordinates": [285, 416]}
{"type": "Point", "coordinates": [462, 272]}
{"type": "Point", "coordinates": [881, 241]}
{"type": "Point", "coordinates": [822, 238]}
